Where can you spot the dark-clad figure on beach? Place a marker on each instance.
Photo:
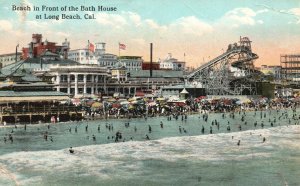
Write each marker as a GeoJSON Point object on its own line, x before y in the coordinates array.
{"type": "Point", "coordinates": [147, 137]}
{"type": "Point", "coordinates": [71, 150]}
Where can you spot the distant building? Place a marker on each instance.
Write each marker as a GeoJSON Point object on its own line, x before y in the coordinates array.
{"type": "Point", "coordinates": [82, 56]}
{"type": "Point", "coordinates": [119, 72]}
{"type": "Point", "coordinates": [7, 59]}
{"type": "Point", "coordinates": [171, 63]}
{"type": "Point", "coordinates": [107, 60]}
{"type": "Point", "coordinates": [132, 63]}
{"type": "Point", "coordinates": [86, 56]}
{"type": "Point", "coordinates": [290, 64]}
{"type": "Point", "coordinates": [36, 47]}
{"type": "Point", "coordinates": [274, 71]}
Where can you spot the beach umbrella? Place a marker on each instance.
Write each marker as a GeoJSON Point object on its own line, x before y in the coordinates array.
{"type": "Point", "coordinates": [111, 100]}
{"type": "Point", "coordinates": [97, 105]}
{"type": "Point", "coordinates": [116, 105]}
{"type": "Point", "coordinates": [90, 102]}
{"type": "Point", "coordinates": [131, 99]}
{"type": "Point", "coordinates": [152, 104]}
{"type": "Point", "coordinates": [131, 107]}
{"type": "Point", "coordinates": [160, 99]}
{"type": "Point", "coordinates": [124, 102]}
{"type": "Point", "coordinates": [180, 104]}
{"type": "Point", "coordinates": [238, 102]}
{"type": "Point", "coordinates": [134, 102]}
{"type": "Point", "coordinates": [76, 101]}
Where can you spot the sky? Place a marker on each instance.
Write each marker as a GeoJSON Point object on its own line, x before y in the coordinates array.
{"type": "Point", "coordinates": [192, 30]}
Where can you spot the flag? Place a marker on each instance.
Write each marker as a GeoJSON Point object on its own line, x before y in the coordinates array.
{"type": "Point", "coordinates": [91, 47]}
{"type": "Point", "coordinates": [122, 46]}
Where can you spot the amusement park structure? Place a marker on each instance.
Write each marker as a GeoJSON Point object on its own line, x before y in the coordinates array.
{"type": "Point", "coordinates": [231, 73]}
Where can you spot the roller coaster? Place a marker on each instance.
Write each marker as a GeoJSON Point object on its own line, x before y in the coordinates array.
{"type": "Point", "coordinates": [231, 73]}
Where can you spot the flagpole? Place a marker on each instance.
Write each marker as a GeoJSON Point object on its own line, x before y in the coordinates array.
{"type": "Point", "coordinates": [119, 50]}
{"type": "Point", "coordinates": [88, 48]}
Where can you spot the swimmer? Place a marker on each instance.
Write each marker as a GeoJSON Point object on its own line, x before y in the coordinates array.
{"type": "Point", "coordinates": [98, 128]}
{"type": "Point", "coordinates": [150, 129]}
{"type": "Point", "coordinates": [147, 137]}
{"type": "Point", "coordinates": [71, 150]}
{"type": "Point", "coordinates": [239, 142]}
{"type": "Point", "coordinates": [94, 137]}
{"type": "Point", "coordinates": [161, 125]}
{"type": "Point", "coordinates": [264, 139]}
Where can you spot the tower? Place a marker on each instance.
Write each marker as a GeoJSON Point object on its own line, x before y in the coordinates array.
{"type": "Point", "coordinates": [65, 48]}
{"type": "Point", "coordinates": [100, 49]}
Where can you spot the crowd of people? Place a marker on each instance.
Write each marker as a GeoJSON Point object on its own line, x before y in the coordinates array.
{"type": "Point", "coordinates": [173, 112]}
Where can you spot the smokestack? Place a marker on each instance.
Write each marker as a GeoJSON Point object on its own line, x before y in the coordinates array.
{"type": "Point", "coordinates": [151, 48]}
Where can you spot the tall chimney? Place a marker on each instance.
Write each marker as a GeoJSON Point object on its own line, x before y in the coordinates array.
{"type": "Point", "coordinates": [151, 48]}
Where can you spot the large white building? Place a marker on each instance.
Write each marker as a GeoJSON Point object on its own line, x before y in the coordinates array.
{"type": "Point", "coordinates": [81, 80]}
{"type": "Point", "coordinates": [171, 63]}
{"type": "Point", "coordinates": [85, 56]}
{"type": "Point", "coordinates": [100, 57]}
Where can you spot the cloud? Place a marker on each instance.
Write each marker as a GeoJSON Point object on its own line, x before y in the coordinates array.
{"type": "Point", "coordinates": [242, 16]}
{"type": "Point", "coordinates": [260, 21]}
{"type": "Point", "coordinates": [115, 20]}
{"type": "Point", "coordinates": [127, 20]}
{"type": "Point", "coordinates": [5, 25]}
{"type": "Point", "coordinates": [294, 12]}
{"type": "Point", "coordinates": [191, 25]}
{"type": "Point", "coordinates": [239, 16]}
{"type": "Point", "coordinates": [63, 34]}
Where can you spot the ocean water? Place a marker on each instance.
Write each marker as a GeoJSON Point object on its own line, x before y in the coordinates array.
{"type": "Point", "coordinates": [169, 158]}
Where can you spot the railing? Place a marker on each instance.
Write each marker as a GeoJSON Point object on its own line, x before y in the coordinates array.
{"type": "Point", "coordinates": [38, 110]}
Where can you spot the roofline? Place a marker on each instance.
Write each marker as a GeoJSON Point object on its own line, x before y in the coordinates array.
{"type": "Point", "coordinates": [1, 55]}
